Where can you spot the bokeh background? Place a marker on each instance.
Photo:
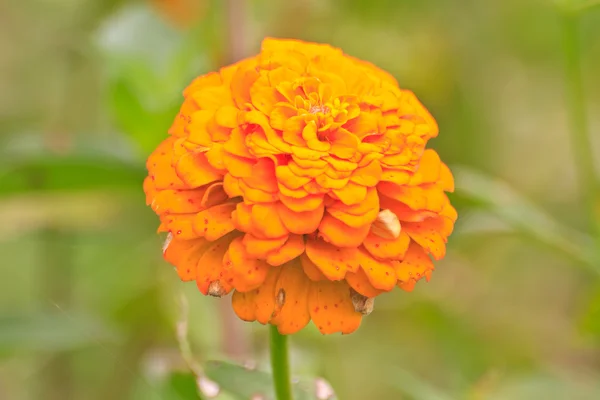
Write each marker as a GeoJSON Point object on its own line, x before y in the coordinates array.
{"type": "Point", "coordinates": [90, 311]}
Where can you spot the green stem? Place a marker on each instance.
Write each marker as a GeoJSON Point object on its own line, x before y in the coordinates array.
{"type": "Point", "coordinates": [280, 365]}
{"type": "Point", "coordinates": [579, 129]}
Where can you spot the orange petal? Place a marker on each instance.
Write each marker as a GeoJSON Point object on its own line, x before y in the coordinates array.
{"type": "Point", "coordinates": [333, 261]}
{"type": "Point", "coordinates": [266, 221]}
{"type": "Point", "coordinates": [211, 269]}
{"type": "Point", "coordinates": [415, 265]}
{"type": "Point", "coordinates": [288, 179]}
{"type": "Point", "coordinates": [446, 178]}
{"type": "Point", "coordinates": [355, 221]}
{"type": "Point", "coordinates": [273, 138]}
{"type": "Point", "coordinates": [178, 201]}
{"type": "Point", "coordinates": [212, 97]}
{"type": "Point", "coordinates": [215, 222]}
{"type": "Point", "coordinates": [370, 205]}
{"type": "Point", "coordinates": [393, 249]}
{"type": "Point", "coordinates": [244, 305]}
{"type": "Point", "coordinates": [241, 82]}
{"type": "Point", "coordinates": [309, 203]}
{"type": "Point", "coordinates": [231, 186]}
{"type": "Point", "coordinates": [369, 175]}
{"type": "Point", "coordinates": [292, 248]}
{"type": "Point", "coordinates": [238, 166]}
{"type": "Point", "coordinates": [266, 296]}
{"type": "Point", "coordinates": [380, 273]}
{"type": "Point", "coordinates": [180, 225]}
{"type": "Point", "coordinates": [198, 128]}
{"type": "Point", "coordinates": [195, 171]}
{"type": "Point", "coordinates": [226, 116]}
{"type": "Point", "coordinates": [429, 168]}
{"type": "Point", "coordinates": [184, 255]}
{"type": "Point", "coordinates": [310, 269]}
{"type": "Point", "coordinates": [424, 197]}
{"type": "Point", "coordinates": [427, 235]}
{"type": "Point", "coordinates": [248, 273]}
{"type": "Point", "coordinates": [236, 144]}
{"type": "Point", "coordinates": [262, 176]}
{"type": "Point", "coordinates": [253, 195]}
{"type": "Point", "coordinates": [259, 248]}
{"type": "Point", "coordinates": [149, 190]}
{"type": "Point", "coordinates": [291, 291]}
{"type": "Point", "coordinates": [331, 307]}
{"type": "Point", "coordinates": [300, 222]}
{"type": "Point", "coordinates": [214, 194]}
{"type": "Point", "coordinates": [360, 282]}
{"type": "Point", "coordinates": [404, 212]}
{"type": "Point", "coordinates": [160, 169]}
{"type": "Point", "coordinates": [351, 193]}
{"type": "Point", "coordinates": [339, 234]}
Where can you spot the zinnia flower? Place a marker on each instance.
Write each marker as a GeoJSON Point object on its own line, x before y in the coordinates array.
{"type": "Point", "coordinates": [299, 179]}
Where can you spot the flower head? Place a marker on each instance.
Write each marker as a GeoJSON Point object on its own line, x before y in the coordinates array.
{"type": "Point", "coordinates": [299, 179]}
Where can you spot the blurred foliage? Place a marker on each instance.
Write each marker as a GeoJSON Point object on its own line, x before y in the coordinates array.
{"type": "Point", "coordinates": [88, 309]}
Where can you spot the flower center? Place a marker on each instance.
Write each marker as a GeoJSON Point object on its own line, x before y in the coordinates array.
{"type": "Point", "coordinates": [319, 109]}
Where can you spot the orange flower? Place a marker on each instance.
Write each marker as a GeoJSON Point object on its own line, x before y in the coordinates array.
{"type": "Point", "coordinates": [299, 180]}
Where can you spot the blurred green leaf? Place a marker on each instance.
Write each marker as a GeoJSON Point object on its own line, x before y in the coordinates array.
{"type": "Point", "coordinates": [245, 383]}
{"type": "Point", "coordinates": [523, 216]}
{"type": "Point", "coordinates": [182, 386]}
{"type": "Point", "coordinates": [414, 387]}
{"type": "Point", "coordinates": [545, 386]}
{"type": "Point", "coordinates": [27, 164]}
{"type": "Point", "coordinates": [147, 128]}
{"type": "Point", "coordinates": [52, 332]}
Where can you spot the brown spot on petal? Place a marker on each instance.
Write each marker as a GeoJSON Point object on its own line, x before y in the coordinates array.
{"type": "Point", "coordinates": [215, 289]}
{"type": "Point", "coordinates": [281, 297]}
{"type": "Point", "coordinates": [386, 225]}
{"type": "Point", "coordinates": [362, 304]}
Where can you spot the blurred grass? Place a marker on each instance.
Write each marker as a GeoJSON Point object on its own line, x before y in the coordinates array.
{"type": "Point", "coordinates": [87, 88]}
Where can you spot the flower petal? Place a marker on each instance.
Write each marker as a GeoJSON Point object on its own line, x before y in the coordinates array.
{"type": "Point", "coordinates": [215, 222]}
{"type": "Point", "coordinates": [339, 234]}
{"type": "Point", "coordinates": [300, 222]}
{"type": "Point", "coordinates": [210, 269]}
{"type": "Point", "coordinates": [195, 171]}
{"type": "Point", "coordinates": [184, 255]}
{"type": "Point", "coordinates": [291, 292]}
{"type": "Point", "coordinates": [427, 235]}
{"type": "Point", "coordinates": [259, 248]}
{"type": "Point", "coordinates": [360, 282]}
{"type": "Point", "coordinates": [248, 273]}
{"type": "Point", "coordinates": [333, 261]}
{"type": "Point", "coordinates": [160, 169]}
{"type": "Point", "coordinates": [415, 265]}
{"type": "Point", "coordinates": [331, 307]}
{"type": "Point", "coordinates": [391, 249]}
{"type": "Point", "coordinates": [267, 222]}
{"type": "Point", "coordinates": [292, 248]}
{"type": "Point", "coordinates": [380, 273]}
{"type": "Point", "coordinates": [310, 269]}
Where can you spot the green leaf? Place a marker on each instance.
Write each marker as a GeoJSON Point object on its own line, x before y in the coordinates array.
{"type": "Point", "coordinates": [27, 165]}
{"type": "Point", "coordinates": [147, 127]}
{"type": "Point", "coordinates": [182, 386]}
{"type": "Point", "coordinates": [523, 216]}
{"type": "Point", "coordinates": [245, 383]}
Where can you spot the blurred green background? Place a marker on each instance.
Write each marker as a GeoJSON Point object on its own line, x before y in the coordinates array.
{"type": "Point", "coordinates": [90, 311]}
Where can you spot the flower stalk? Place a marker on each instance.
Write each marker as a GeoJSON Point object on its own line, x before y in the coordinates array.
{"type": "Point", "coordinates": [280, 365]}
